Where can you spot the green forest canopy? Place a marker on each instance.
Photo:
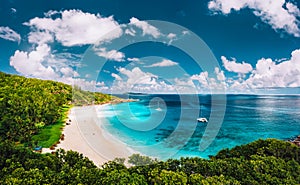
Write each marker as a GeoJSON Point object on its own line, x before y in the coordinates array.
{"type": "Point", "coordinates": [266, 162]}
{"type": "Point", "coordinates": [28, 104]}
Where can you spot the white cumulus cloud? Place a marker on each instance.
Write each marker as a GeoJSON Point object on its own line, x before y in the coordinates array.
{"type": "Point", "coordinates": [117, 77]}
{"type": "Point", "coordinates": [42, 63]}
{"type": "Point", "coordinates": [171, 35]}
{"type": "Point", "coordinates": [40, 37]}
{"type": "Point", "coordinates": [136, 80]}
{"type": "Point", "coordinates": [130, 31]}
{"type": "Point", "coordinates": [146, 27]}
{"type": "Point", "coordinates": [38, 63]}
{"type": "Point", "coordinates": [210, 82]}
{"type": "Point", "coordinates": [163, 63]}
{"type": "Point", "coordinates": [75, 27]}
{"type": "Point", "coordinates": [30, 63]}
{"type": "Point", "coordinates": [233, 66]}
{"type": "Point", "coordinates": [110, 55]}
{"type": "Point", "coordinates": [267, 73]}
{"type": "Point", "coordinates": [270, 74]}
{"type": "Point", "coordinates": [133, 59]}
{"type": "Point", "coordinates": [220, 74]}
{"type": "Point", "coordinates": [136, 75]}
{"type": "Point", "coordinates": [279, 14]}
{"type": "Point", "coordinates": [9, 34]}
{"type": "Point", "coordinates": [202, 78]}
{"type": "Point", "coordinates": [69, 28]}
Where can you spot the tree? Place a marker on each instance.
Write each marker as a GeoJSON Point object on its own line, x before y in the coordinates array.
{"type": "Point", "coordinates": [138, 160]}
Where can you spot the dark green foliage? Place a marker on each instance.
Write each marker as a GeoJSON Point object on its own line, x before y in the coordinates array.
{"type": "Point", "coordinates": [29, 105]}
{"type": "Point", "coordinates": [139, 160]}
{"type": "Point", "coordinates": [50, 134]}
{"type": "Point", "coordinates": [80, 97]}
{"type": "Point", "coordinates": [256, 168]}
{"type": "Point", "coordinates": [269, 147]}
{"type": "Point", "coordinates": [21, 166]}
{"type": "Point", "coordinates": [119, 160]}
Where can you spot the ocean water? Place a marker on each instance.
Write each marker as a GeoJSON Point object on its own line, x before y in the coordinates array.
{"type": "Point", "coordinates": [165, 126]}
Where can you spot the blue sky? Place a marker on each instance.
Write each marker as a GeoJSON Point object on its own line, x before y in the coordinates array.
{"type": "Point", "coordinates": [214, 46]}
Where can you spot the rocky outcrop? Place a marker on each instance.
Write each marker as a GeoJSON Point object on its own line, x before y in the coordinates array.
{"type": "Point", "coordinates": [116, 101]}
{"type": "Point", "coordinates": [296, 141]}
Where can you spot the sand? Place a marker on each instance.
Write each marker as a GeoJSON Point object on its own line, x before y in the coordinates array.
{"type": "Point", "coordinates": [86, 135]}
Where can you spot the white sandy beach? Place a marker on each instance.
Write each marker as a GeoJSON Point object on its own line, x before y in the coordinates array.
{"type": "Point", "coordinates": [85, 136]}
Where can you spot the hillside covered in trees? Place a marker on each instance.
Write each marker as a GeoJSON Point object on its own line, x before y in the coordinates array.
{"type": "Point", "coordinates": [30, 105]}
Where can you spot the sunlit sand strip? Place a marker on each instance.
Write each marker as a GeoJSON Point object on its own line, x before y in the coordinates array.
{"type": "Point", "coordinates": [85, 136]}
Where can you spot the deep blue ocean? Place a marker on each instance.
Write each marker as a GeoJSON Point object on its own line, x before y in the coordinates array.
{"type": "Point", "coordinates": [165, 126]}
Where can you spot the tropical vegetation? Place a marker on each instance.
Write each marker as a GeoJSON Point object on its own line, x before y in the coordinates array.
{"type": "Point", "coordinates": [30, 108]}
{"type": "Point", "coordinates": [261, 162]}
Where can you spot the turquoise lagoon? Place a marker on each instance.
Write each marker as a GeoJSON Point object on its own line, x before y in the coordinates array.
{"type": "Point", "coordinates": [165, 126]}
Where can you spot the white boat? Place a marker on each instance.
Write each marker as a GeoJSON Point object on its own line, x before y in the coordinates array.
{"type": "Point", "coordinates": [203, 120]}
{"type": "Point", "coordinates": [158, 109]}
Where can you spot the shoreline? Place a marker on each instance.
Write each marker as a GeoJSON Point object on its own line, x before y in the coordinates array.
{"type": "Point", "coordinates": [87, 136]}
